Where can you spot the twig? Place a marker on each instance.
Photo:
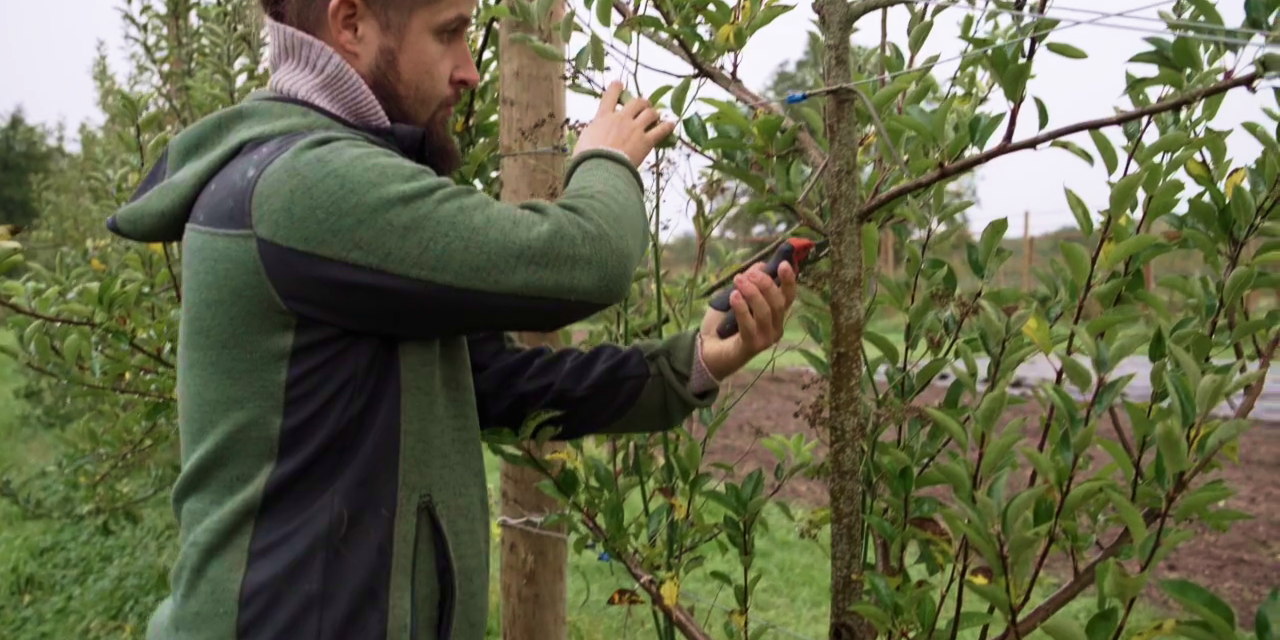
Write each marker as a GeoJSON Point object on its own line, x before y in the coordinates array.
{"type": "Point", "coordinates": [813, 151]}
{"type": "Point", "coordinates": [956, 168]}
{"type": "Point", "coordinates": [98, 387]}
{"type": "Point", "coordinates": [32, 313]}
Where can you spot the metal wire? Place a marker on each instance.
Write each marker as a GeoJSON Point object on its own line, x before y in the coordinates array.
{"type": "Point", "coordinates": [1202, 37]}
{"type": "Point", "coordinates": [798, 97]}
{"type": "Point", "coordinates": [1177, 23]}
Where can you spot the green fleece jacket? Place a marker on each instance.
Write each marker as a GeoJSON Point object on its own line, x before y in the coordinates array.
{"type": "Point", "coordinates": [341, 350]}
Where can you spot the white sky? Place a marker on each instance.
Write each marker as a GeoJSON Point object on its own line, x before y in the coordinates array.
{"type": "Point", "coordinates": [47, 48]}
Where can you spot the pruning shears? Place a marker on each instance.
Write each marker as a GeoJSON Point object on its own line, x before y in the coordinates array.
{"type": "Point", "coordinates": [796, 251]}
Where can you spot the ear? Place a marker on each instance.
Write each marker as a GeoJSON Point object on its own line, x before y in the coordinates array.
{"type": "Point", "coordinates": [351, 29]}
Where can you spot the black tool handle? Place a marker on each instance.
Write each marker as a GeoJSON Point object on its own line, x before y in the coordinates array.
{"type": "Point", "coordinates": [720, 302]}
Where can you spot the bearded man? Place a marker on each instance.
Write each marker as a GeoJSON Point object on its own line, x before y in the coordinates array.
{"type": "Point", "coordinates": [342, 340]}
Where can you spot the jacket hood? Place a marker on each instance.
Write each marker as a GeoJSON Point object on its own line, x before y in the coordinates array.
{"type": "Point", "coordinates": [159, 208]}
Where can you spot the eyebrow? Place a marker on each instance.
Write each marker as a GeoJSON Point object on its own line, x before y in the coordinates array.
{"type": "Point", "coordinates": [458, 21]}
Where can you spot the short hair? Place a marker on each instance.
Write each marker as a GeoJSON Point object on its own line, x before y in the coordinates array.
{"type": "Point", "coordinates": [308, 15]}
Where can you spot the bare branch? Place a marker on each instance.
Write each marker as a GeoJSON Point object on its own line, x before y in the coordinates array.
{"type": "Point", "coordinates": [32, 313]}
{"type": "Point", "coordinates": [961, 166]}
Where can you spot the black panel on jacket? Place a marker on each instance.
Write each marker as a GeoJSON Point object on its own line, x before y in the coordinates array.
{"type": "Point", "coordinates": [376, 302]}
{"type": "Point", "coordinates": [592, 388]}
{"type": "Point", "coordinates": [226, 202]}
{"type": "Point", "coordinates": [319, 563]}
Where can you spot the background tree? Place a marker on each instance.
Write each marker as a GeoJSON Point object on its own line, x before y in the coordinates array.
{"type": "Point", "coordinates": [27, 153]}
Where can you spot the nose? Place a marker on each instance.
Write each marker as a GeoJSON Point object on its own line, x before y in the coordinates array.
{"type": "Point", "coordinates": [465, 75]}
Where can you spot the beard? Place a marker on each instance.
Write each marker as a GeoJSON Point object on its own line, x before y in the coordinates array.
{"type": "Point", "coordinates": [442, 154]}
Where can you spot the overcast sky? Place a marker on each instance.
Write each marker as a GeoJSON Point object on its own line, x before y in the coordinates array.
{"type": "Point", "coordinates": [48, 49]}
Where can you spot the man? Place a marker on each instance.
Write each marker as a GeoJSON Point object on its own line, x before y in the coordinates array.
{"type": "Point", "coordinates": [341, 344]}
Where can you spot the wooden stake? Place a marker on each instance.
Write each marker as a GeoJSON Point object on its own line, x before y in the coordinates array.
{"type": "Point", "coordinates": [531, 122]}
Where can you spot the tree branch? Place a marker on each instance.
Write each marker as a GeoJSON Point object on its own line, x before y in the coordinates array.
{"type": "Point", "coordinates": [32, 313]}
{"type": "Point", "coordinates": [678, 615]}
{"type": "Point", "coordinates": [860, 9]}
{"type": "Point", "coordinates": [812, 151]}
{"type": "Point", "coordinates": [961, 166]}
{"type": "Point", "coordinates": [149, 395]}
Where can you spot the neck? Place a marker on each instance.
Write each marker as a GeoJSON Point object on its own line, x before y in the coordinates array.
{"type": "Point", "coordinates": [303, 67]}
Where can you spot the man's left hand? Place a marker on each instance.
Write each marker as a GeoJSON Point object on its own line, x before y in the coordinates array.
{"type": "Point", "coordinates": [761, 308]}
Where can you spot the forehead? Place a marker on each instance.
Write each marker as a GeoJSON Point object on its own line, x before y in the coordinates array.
{"type": "Point", "coordinates": [437, 12]}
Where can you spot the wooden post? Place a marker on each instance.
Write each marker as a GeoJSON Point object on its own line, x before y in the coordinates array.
{"type": "Point", "coordinates": [1028, 248]}
{"type": "Point", "coordinates": [531, 121]}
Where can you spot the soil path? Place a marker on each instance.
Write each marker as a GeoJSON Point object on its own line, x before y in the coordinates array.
{"type": "Point", "coordinates": [1242, 565]}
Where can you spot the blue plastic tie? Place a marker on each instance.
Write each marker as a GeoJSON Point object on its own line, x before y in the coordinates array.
{"type": "Point", "coordinates": [796, 97]}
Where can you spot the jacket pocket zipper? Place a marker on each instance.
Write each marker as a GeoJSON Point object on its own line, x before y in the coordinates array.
{"type": "Point", "coordinates": [444, 571]}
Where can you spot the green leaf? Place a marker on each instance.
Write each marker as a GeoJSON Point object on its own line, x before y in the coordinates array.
{"type": "Point", "coordinates": [1172, 445]}
{"type": "Point", "coordinates": [1078, 373]}
{"type": "Point", "coordinates": [1043, 110]}
{"type": "Point", "coordinates": [604, 12]}
{"type": "Point", "coordinates": [597, 52]}
{"type": "Point", "coordinates": [883, 343]}
{"type": "Point", "coordinates": [696, 129]}
{"type": "Point", "coordinates": [1037, 330]}
{"type": "Point", "coordinates": [1073, 148]}
{"type": "Point", "coordinates": [1105, 149]}
{"type": "Point", "coordinates": [1081, 211]}
{"type": "Point", "coordinates": [1204, 603]}
{"type": "Point", "coordinates": [1124, 193]}
{"type": "Point", "coordinates": [1077, 259]}
{"type": "Point", "coordinates": [680, 95]}
{"type": "Point", "coordinates": [1063, 628]}
{"type": "Point", "coordinates": [950, 425]}
{"type": "Point", "coordinates": [1169, 142]}
{"type": "Point", "coordinates": [1129, 515]}
{"type": "Point", "coordinates": [1066, 50]}
{"type": "Point", "coordinates": [1124, 250]}
{"type": "Point", "coordinates": [1103, 624]}
{"type": "Point", "coordinates": [1267, 623]}
{"type": "Point", "coordinates": [919, 34]}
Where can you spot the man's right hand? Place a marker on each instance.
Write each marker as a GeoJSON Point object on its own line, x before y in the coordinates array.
{"type": "Point", "coordinates": [627, 130]}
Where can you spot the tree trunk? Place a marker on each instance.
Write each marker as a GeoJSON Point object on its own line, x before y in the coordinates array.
{"type": "Point", "coordinates": [531, 118]}
{"type": "Point", "coordinates": [846, 411]}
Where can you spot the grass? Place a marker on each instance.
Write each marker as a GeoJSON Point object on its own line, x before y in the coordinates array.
{"type": "Point", "coordinates": [792, 598]}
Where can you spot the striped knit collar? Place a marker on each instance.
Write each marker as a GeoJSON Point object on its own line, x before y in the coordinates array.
{"type": "Point", "coordinates": [303, 67]}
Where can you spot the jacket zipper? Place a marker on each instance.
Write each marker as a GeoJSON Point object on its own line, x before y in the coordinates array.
{"type": "Point", "coordinates": [444, 572]}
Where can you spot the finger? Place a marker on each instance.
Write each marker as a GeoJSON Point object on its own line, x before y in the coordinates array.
{"type": "Point", "coordinates": [776, 301]}
{"type": "Point", "coordinates": [647, 117]}
{"type": "Point", "coordinates": [659, 132]}
{"type": "Point", "coordinates": [609, 101]}
{"type": "Point", "coordinates": [742, 311]}
{"type": "Point", "coordinates": [635, 107]}
{"type": "Point", "coordinates": [787, 278]}
{"type": "Point", "coordinates": [760, 311]}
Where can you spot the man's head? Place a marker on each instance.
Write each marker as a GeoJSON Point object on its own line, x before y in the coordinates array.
{"type": "Point", "coordinates": [413, 54]}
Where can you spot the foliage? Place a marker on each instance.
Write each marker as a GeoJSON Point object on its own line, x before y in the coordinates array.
{"type": "Point", "coordinates": [27, 153]}
{"type": "Point", "coordinates": [1107, 473]}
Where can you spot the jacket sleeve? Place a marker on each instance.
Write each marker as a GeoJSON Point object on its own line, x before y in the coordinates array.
{"type": "Point", "coordinates": [643, 388]}
{"type": "Point", "coordinates": [353, 234]}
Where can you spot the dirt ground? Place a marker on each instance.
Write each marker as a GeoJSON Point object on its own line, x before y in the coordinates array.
{"type": "Point", "coordinates": [1242, 565]}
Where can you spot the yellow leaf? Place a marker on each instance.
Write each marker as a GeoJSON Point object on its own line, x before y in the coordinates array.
{"type": "Point", "coordinates": [156, 248]}
{"type": "Point", "coordinates": [679, 508]}
{"type": "Point", "coordinates": [460, 126]}
{"type": "Point", "coordinates": [1235, 179]}
{"type": "Point", "coordinates": [670, 591]}
{"type": "Point", "coordinates": [1198, 170]}
{"type": "Point", "coordinates": [1158, 630]}
{"type": "Point", "coordinates": [1107, 248]}
{"type": "Point", "coordinates": [738, 618]}
{"type": "Point", "coordinates": [724, 35]}
{"type": "Point", "coordinates": [1037, 329]}
{"type": "Point", "coordinates": [97, 265]}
